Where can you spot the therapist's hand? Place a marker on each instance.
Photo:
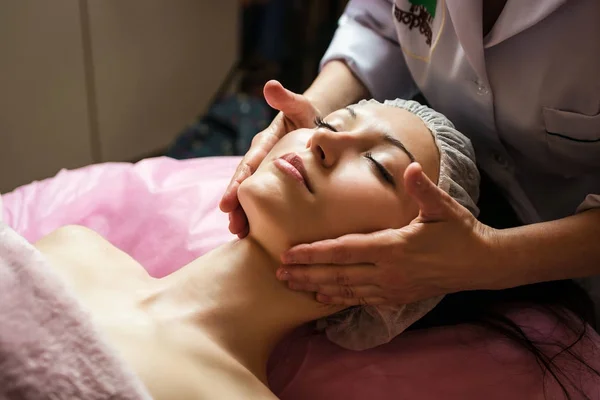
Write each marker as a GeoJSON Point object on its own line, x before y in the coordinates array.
{"type": "Point", "coordinates": [296, 111]}
{"type": "Point", "coordinates": [443, 250]}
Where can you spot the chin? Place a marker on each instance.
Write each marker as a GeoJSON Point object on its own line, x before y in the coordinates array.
{"type": "Point", "coordinates": [270, 216]}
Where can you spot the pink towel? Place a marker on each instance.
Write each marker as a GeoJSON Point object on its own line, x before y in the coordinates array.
{"type": "Point", "coordinates": [49, 348]}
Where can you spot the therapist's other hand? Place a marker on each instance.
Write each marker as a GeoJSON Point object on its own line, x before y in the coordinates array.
{"type": "Point", "coordinates": [296, 111]}
{"type": "Point", "coordinates": [443, 250]}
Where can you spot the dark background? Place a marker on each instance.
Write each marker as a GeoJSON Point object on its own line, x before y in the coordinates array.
{"type": "Point", "coordinates": [279, 39]}
{"type": "Point", "coordinates": [285, 39]}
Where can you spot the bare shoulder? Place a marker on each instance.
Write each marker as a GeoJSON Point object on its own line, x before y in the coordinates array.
{"type": "Point", "coordinates": [80, 252]}
{"type": "Point", "coordinates": [73, 234]}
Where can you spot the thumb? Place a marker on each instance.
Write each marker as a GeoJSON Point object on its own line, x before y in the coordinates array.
{"type": "Point", "coordinates": [293, 105]}
{"type": "Point", "coordinates": [434, 204]}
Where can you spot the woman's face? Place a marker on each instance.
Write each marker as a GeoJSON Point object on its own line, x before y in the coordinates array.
{"type": "Point", "coordinates": [345, 176]}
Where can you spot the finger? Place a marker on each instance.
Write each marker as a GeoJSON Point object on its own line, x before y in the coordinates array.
{"type": "Point", "coordinates": [293, 105]}
{"type": "Point", "coordinates": [246, 167]}
{"type": "Point", "coordinates": [244, 232]}
{"type": "Point", "coordinates": [230, 201]}
{"type": "Point", "coordinates": [347, 291]}
{"type": "Point", "coordinates": [261, 145]}
{"type": "Point", "coordinates": [356, 275]}
{"type": "Point", "coordinates": [434, 204]}
{"type": "Point", "coordinates": [348, 249]}
{"type": "Point", "coordinates": [237, 221]}
{"type": "Point", "coordinates": [345, 301]}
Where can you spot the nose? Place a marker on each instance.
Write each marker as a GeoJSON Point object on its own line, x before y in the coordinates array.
{"type": "Point", "coordinates": [329, 146]}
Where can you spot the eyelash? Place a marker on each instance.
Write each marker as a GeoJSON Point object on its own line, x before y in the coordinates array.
{"type": "Point", "coordinates": [322, 124]}
{"type": "Point", "coordinates": [381, 169]}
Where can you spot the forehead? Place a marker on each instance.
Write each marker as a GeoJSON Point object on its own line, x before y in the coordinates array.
{"type": "Point", "coordinates": [404, 126]}
{"type": "Point", "coordinates": [398, 122]}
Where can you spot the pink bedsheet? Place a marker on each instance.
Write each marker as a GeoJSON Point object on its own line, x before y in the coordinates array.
{"type": "Point", "coordinates": [164, 213]}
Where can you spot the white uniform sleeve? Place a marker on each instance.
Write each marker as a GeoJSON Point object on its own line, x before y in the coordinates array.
{"type": "Point", "coordinates": [591, 201]}
{"type": "Point", "coordinates": [366, 40]}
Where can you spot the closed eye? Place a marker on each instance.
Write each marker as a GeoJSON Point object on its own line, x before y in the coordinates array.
{"type": "Point", "coordinates": [385, 174]}
{"type": "Point", "coordinates": [322, 124]}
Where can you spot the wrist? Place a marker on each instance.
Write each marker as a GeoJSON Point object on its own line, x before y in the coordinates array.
{"type": "Point", "coordinates": [497, 273]}
{"type": "Point", "coordinates": [541, 252]}
{"type": "Point", "coordinates": [335, 87]}
{"type": "Point", "coordinates": [513, 258]}
{"type": "Point", "coordinates": [317, 96]}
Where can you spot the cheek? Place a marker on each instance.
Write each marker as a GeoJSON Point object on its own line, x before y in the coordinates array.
{"type": "Point", "coordinates": [296, 141]}
{"type": "Point", "coordinates": [245, 196]}
{"type": "Point", "coordinates": [272, 205]}
{"type": "Point", "coordinates": [362, 205]}
{"type": "Point", "coordinates": [263, 189]}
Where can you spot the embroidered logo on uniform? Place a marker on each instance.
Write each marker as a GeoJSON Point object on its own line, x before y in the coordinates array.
{"type": "Point", "coordinates": [420, 15]}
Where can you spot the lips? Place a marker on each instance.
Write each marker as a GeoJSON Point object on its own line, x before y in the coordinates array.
{"type": "Point", "coordinates": [295, 161]}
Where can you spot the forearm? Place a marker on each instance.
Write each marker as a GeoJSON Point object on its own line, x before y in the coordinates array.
{"type": "Point", "coordinates": [562, 249]}
{"type": "Point", "coordinates": [335, 87]}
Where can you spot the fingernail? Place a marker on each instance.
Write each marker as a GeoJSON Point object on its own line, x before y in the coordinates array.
{"type": "Point", "coordinates": [323, 298]}
{"type": "Point", "coordinates": [420, 179]}
{"type": "Point", "coordinates": [283, 275]}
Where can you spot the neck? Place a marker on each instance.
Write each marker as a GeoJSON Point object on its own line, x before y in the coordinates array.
{"type": "Point", "coordinates": [232, 295]}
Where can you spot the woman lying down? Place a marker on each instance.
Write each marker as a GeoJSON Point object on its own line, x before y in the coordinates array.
{"type": "Point", "coordinates": [207, 330]}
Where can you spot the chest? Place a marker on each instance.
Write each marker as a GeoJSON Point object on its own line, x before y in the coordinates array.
{"type": "Point", "coordinates": [174, 359]}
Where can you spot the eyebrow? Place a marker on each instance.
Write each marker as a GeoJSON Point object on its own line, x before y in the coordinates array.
{"type": "Point", "coordinates": [395, 142]}
{"type": "Point", "coordinates": [351, 111]}
{"type": "Point", "coordinates": [387, 137]}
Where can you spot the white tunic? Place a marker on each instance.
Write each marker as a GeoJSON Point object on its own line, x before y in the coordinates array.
{"type": "Point", "coordinates": [527, 95]}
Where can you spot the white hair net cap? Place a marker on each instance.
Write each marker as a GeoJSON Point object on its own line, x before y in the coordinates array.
{"type": "Point", "coordinates": [364, 327]}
